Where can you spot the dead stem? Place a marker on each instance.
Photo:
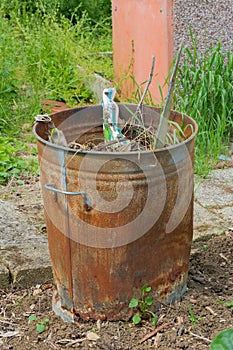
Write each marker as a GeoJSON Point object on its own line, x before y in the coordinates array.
{"type": "Point", "coordinates": [200, 337]}
{"type": "Point", "coordinates": [139, 107]}
{"type": "Point", "coordinates": [151, 334]}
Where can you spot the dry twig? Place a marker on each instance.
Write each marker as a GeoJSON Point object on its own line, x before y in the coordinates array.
{"type": "Point", "coordinates": [223, 257]}
{"type": "Point", "coordinates": [163, 125]}
{"type": "Point", "coordinates": [200, 337]}
{"type": "Point", "coordinates": [7, 322]}
{"type": "Point", "coordinates": [211, 311]}
{"type": "Point", "coordinates": [151, 334]}
{"type": "Point", "coordinates": [139, 107]}
{"type": "Point", "coordinates": [70, 342]}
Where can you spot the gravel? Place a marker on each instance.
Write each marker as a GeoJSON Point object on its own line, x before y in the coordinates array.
{"type": "Point", "coordinates": [210, 20]}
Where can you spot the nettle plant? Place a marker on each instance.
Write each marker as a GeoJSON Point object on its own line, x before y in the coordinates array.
{"type": "Point", "coordinates": [142, 307]}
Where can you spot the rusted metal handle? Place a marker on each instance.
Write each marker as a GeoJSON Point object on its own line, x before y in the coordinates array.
{"type": "Point", "coordinates": [86, 198]}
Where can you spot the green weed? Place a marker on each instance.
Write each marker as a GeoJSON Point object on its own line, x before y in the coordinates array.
{"type": "Point", "coordinates": [205, 92]}
{"type": "Point", "coordinates": [227, 304]}
{"type": "Point", "coordinates": [192, 317]}
{"type": "Point", "coordinates": [41, 324]}
{"type": "Point", "coordinates": [13, 162]}
{"type": "Point", "coordinates": [142, 306]}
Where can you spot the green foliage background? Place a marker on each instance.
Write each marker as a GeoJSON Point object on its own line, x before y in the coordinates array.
{"type": "Point", "coordinates": [41, 45]}
{"type": "Point", "coordinates": [95, 9]}
{"type": "Point", "coordinates": [43, 42]}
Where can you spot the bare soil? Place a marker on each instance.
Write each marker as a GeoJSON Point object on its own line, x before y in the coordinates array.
{"type": "Point", "coordinates": [190, 324]}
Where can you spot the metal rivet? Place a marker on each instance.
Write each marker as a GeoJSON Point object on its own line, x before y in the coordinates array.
{"type": "Point", "coordinates": [115, 8]}
{"type": "Point", "coordinates": [161, 10]}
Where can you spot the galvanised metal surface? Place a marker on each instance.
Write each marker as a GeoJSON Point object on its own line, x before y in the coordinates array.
{"type": "Point", "coordinates": [126, 219]}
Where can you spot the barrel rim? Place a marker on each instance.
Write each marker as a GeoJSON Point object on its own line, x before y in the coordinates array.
{"type": "Point", "coordinates": [157, 151]}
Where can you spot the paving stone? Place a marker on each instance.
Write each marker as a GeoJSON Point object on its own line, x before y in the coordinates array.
{"type": "Point", "coordinates": [14, 228]}
{"type": "Point", "coordinates": [211, 193]}
{"type": "Point", "coordinates": [27, 264]}
{"type": "Point", "coordinates": [4, 276]}
{"type": "Point", "coordinates": [24, 252]}
{"type": "Point", "coordinates": [206, 222]}
{"type": "Point", "coordinates": [226, 213]}
{"type": "Point", "coordinates": [222, 176]}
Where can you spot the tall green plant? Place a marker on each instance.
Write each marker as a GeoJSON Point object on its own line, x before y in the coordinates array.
{"type": "Point", "coordinates": [205, 92]}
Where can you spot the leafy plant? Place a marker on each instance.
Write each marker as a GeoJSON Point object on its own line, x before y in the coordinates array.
{"type": "Point", "coordinates": [12, 162]}
{"type": "Point", "coordinates": [41, 324]}
{"type": "Point", "coordinates": [192, 317]}
{"type": "Point", "coordinates": [223, 340]}
{"type": "Point", "coordinates": [142, 306]}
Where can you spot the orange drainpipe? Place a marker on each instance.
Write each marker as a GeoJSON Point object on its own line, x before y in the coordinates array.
{"type": "Point", "coordinates": [141, 29]}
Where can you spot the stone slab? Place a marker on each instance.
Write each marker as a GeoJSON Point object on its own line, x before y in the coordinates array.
{"type": "Point", "coordinates": [4, 276]}
{"type": "Point", "coordinates": [222, 176]}
{"type": "Point", "coordinates": [206, 222]}
{"type": "Point", "coordinates": [96, 83]}
{"type": "Point", "coordinates": [216, 191]}
{"type": "Point", "coordinates": [226, 214]}
{"type": "Point", "coordinates": [24, 258]}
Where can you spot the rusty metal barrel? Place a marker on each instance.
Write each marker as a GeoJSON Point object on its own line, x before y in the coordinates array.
{"type": "Point", "coordinates": [115, 220]}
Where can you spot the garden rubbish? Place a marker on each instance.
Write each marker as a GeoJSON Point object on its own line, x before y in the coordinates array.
{"type": "Point", "coordinates": [112, 131]}
{"type": "Point", "coordinates": [223, 157]}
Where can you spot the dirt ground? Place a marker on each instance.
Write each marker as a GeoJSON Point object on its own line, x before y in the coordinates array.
{"type": "Point", "coordinates": [190, 324]}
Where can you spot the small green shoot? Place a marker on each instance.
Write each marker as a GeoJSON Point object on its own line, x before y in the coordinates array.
{"type": "Point", "coordinates": [32, 318]}
{"type": "Point", "coordinates": [230, 304]}
{"type": "Point", "coordinates": [204, 247]}
{"type": "Point", "coordinates": [192, 317]}
{"type": "Point", "coordinates": [143, 307]}
{"type": "Point", "coordinates": [41, 325]}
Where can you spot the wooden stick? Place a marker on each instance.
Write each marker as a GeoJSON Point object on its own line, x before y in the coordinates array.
{"type": "Point", "coordinates": [139, 107]}
{"type": "Point", "coordinates": [151, 334]}
{"type": "Point", "coordinates": [163, 124]}
{"type": "Point", "coordinates": [70, 341]}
